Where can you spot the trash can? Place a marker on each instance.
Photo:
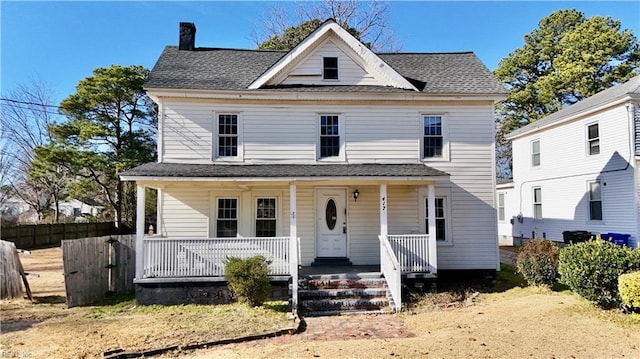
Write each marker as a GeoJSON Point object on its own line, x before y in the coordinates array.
{"type": "Point", "coordinates": [616, 238]}
{"type": "Point", "coordinates": [570, 237]}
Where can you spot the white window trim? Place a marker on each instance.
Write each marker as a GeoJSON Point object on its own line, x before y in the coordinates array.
{"type": "Point", "coordinates": [504, 199]}
{"type": "Point", "coordinates": [587, 142]}
{"type": "Point", "coordinates": [445, 138]}
{"type": "Point", "coordinates": [215, 139]}
{"type": "Point", "coordinates": [440, 192]}
{"type": "Point", "coordinates": [213, 233]}
{"type": "Point", "coordinates": [254, 208]}
{"type": "Point", "coordinates": [341, 133]}
{"type": "Point", "coordinates": [337, 64]}
{"type": "Point", "coordinates": [532, 153]}
{"type": "Point", "coordinates": [588, 196]}
{"type": "Point", "coordinates": [533, 203]}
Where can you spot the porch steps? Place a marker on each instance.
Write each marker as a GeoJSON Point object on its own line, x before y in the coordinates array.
{"type": "Point", "coordinates": [343, 293]}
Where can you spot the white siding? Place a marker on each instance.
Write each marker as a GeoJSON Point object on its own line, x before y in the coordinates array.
{"type": "Point", "coordinates": [186, 132]}
{"type": "Point", "coordinates": [350, 72]}
{"type": "Point", "coordinates": [565, 171]}
{"type": "Point", "coordinates": [364, 225]}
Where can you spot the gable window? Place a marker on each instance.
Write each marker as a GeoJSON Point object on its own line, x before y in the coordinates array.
{"type": "Point", "coordinates": [593, 139]}
{"type": "Point", "coordinates": [537, 203]}
{"type": "Point", "coordinates": [330, 68]}
{"type": "Point", "coordinates": [227, 135]}
{"type": "Point", "coordinates": [266, 217]}
{"type": "Point", "coordinates": [227, 217]}
{"type": "Point", "coordinates": [535, 153]}
{"type": "Point", "coordinates": [441, 220]}
{"type": "Point", "coordinates": [433, 139]}
{"type": "Point", "coordinates": [595, 201]}
{"type": "Point", "coordinates": [329, 136]}
{"type": "Point", "coordinates": [501, 207]}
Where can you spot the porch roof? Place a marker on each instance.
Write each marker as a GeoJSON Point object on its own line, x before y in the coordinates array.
{"type": "Point", "coordinates": [151, 171]}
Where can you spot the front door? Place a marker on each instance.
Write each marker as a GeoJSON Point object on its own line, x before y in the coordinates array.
{"type": "Point", "coordinates": [331, 222]}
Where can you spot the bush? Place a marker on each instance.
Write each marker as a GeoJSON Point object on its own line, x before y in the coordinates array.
{"type": "Point", "coordinates": [591, 270]}
{"type": "Point", "coordinates": [538, 262]}
{"type": "Point", "coordinates": [629, 288]}
{"type": "Point", "coordinates": [248, 279]}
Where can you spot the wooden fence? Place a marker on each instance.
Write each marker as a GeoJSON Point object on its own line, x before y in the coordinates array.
{"type": "Point", "coordinates": [50, 235]}
{"type": "Point", "coordinates": [95, 268]}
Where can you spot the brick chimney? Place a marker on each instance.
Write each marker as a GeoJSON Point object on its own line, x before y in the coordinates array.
{"type": "Point", "coordinates": [187, 36]}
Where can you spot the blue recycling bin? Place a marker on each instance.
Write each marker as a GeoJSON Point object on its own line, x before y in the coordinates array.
{"type": "Point", "coordinates": [616, 238]}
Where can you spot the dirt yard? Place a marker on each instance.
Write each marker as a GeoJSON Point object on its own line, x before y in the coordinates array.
{"type": "Point", "coordinates": [512, 323]}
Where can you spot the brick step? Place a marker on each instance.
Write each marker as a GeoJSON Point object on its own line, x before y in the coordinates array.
{"type": "Point", "coordinates": [327, 313]}
{"type": "Point", "coordinates": [344, 305]}
{"type": "Point", "coordinates": [342, 293]}
{"type": "Point", "coordinates": [343, 283]}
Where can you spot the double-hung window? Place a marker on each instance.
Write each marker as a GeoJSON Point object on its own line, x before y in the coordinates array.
{"type": "Point", "coordinates": [537, 202]}
{"type": "Point", "coordinates": [330, 68]}
{"type": "Point", "coordinates": [227, 217]}
{"type": "Point", "coordinates": [595, 201]}
{"type": "Point", "coordinates": [501, 216]}
{"type": "Point", "coordinates": [535, 153]}
{"type": "Point", "coordinates": [329, 136]}
{"type": "Point", "coordinates": [227, 135]}
{"type": "Point", "coordinates": [266, 217]}
{"type": "Point", "coordinates": [433, 137]}
{"type": "Point", "coordinates": [441, 219]}
{"type": "Point", "coordinates": [593, 139]}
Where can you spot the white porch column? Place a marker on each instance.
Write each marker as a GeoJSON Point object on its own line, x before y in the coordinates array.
{"type": "Point", "coordinates": [431, 214]}
{"type": "Point", "coordinates": [140, 231]}
{"type": "Point", "coordinates": [293, 248]}
{"type": "Point", "coordinates": [384, 229]}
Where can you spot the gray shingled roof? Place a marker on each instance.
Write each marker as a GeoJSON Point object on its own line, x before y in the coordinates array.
{"type": "Point", "coordinates": [630, 88]}
{"type": "Point", "coordinates": [230, 69]}
{"type": "Point", "coordinates": [281, 170]}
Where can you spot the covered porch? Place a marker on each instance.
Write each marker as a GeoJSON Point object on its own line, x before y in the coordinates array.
{"type": "Point", "coordinates": [174, 258]}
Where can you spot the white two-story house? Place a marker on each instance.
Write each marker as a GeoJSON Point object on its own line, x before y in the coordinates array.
{"type": "Point", "coordinates": [577, 170]}
{"type": "Point", "coordinates": [328, 153]}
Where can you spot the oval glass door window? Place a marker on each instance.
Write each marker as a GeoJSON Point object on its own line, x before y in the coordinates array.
{"type": "Point", "coordinates": [331, 214]}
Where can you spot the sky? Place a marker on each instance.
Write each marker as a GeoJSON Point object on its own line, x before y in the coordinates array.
{"type": "Point", "coordinates": [61, 42]}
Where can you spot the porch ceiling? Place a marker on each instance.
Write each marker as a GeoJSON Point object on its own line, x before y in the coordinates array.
{"type": "Point", "coordinates": [279, 172]}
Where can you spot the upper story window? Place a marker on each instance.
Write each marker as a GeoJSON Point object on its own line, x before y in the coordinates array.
{"type": "Point", "coordinates": [266, 217]}
{"type": "Point", "coordinates": [329, 136]}
{"type": "Point", "coordinates": [433, 137]}
{"type": "Point", "coordinates": [227, 217]}
{"type": "Point", "coordinates": [593, 139]}
{"type": "Point", "coordinates": [537, 202]}
{"type": "Point", "coordinates": [330, 68]}
{"type": "Point", "coordinates": [595, 201]}
{"type": "Point", "coordinates": [535, 153]}
{"type": "Point", "coordinates": [501, 216]}
{"type": "Point", "coordinates": [227, 135]}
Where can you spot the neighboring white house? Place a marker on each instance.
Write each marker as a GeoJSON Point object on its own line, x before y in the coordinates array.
{"type": "Point", "coordinates": [77, 209]}
{"type": "Point", "coordinates": [577, 169]}
{"type": "Point", "coordinates": [328, 152]}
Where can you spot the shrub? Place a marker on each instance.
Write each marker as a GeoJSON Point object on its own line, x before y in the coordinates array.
{"type": "Point", "coordinates": [538, 262]}
{"type": "Point", "coordinates": [248, 279]}
{"type": "Point", "coordinates": [591, 270]}
{"type": "Point", "coordinates": [629, 288]}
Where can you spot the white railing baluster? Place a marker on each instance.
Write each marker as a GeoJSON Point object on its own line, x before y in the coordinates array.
{"type": "Point", "coordinates": [412, 251]}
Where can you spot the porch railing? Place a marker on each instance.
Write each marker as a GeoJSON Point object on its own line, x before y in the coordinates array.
{"type": "Point", "coordinates": [392, 272]}
{"type": "Point", "coordinates": [412, 251]}
{"type": "Point", "coordinates": [205, 257]}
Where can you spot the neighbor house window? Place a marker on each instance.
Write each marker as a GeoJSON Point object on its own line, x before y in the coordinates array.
{"type": "Point", "coordinates": [593, 139]}
{"type": "Point", "coordinates": [265, 217]}
{"type": "Point", "coordinates": [441, 221]}
{"type": "Point", "coordinates": [501, 207]}
{"type": "Point", "coordinates": [537, 203]}
{"type": "Point", "coordinates": [330, 68]}
{"type": "Point", "coordinates": [433, 138]}
{"type": "Point", "coordinates": [227, 217]}
{"type": "Point", "coordinates": [595, 201]}
{"type": "Point", "coordinates": [535, 153]}
{"type": "Point", "coordinates": [329, 136]}
{"type": "Point", "coordinates": [227, 135]}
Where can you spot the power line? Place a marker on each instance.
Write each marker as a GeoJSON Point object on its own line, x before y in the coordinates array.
{"type": "Point", "coordinates": [28, 103]}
